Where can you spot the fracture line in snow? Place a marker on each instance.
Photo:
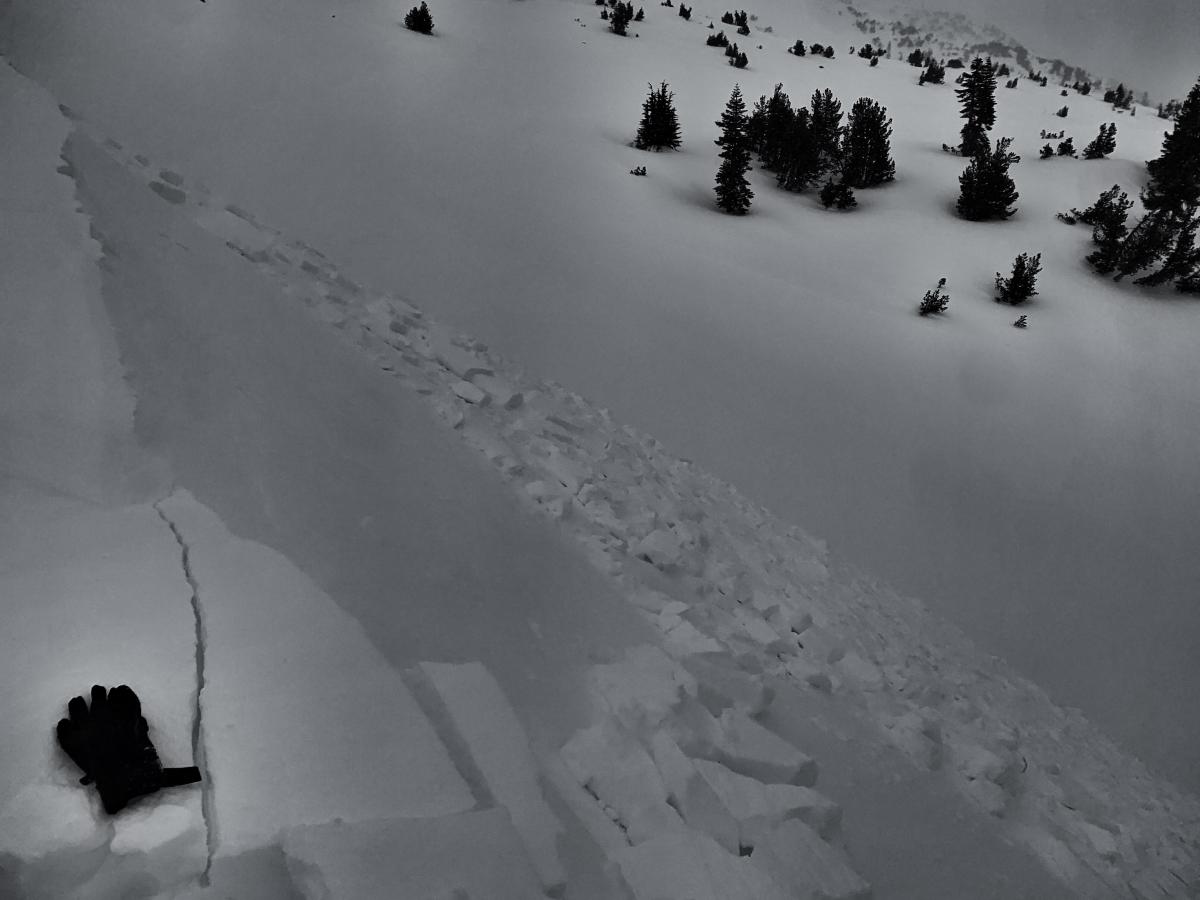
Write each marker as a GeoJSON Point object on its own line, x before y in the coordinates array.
{"type": "Point", "coordinates": [198, 751]}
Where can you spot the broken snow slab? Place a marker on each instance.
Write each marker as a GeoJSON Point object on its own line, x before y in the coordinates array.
{"type": "Point", "coordinates": [643, 687]}
{"type": "Point", "coordinates": [615, 769]}
{"type": "Point", "coordinates": [741, 744]}
{"type": "Point", "coordinates": [691, 795]}
{"type": "Point", "coordinates": [758, 808]}
{"type": "Point", "coordinates": [691, 866]}
{"type": "Point", "coordinates": [468, 856]}
{"type": "Point", "coordinates": [481, 716]}
{"type": "Point", "coordinates": [723, 684]}
{"type": "Point", "coordinates": [795, 856]}
{"type": "Point", "coordinates": [287, 743]}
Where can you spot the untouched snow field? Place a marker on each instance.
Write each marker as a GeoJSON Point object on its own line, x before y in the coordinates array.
{"type": "Point", "coordinates": [1037, 487]}
{"type": "Point", "coordinates": [439, 627]}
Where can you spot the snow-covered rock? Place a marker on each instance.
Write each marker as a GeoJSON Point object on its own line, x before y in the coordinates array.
{"type": "Point", "coordinates": [473, 855]}
{"type": "Point", "coordinates": [485, 721]}
{"type": "Point", "coordinates": [795, 856]}
{"type": "Point", "coordinates": [758, 807]}
{"type": "Point", "coordinates": [689, 866]}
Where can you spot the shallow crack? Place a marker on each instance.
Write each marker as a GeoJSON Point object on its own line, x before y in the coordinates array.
{"type": "Point", "coordinates": [199, 755]}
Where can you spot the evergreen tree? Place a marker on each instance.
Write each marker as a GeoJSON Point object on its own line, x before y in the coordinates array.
{"type": "Point", "coordinates": [916, 58]}
{"type": "Point", "coordinates": [799, 163]}
{"type": "Point", "coordinates": [933, 74]}
{"type": "Point", "coordinates": [733, 190]}
{"type": "Point", "coordinates": [639, 15]}
{"type": "Point", "coordinates": [685, 12]}
{"type": "Point", "coordinates": [839, 194]}
{"type": "Point", "coordinates": [797, 49]}
{"type": "Point", "coordinates": [826, 128]}
{"type": "Point", "coordinates": [717, 40]}
{"type": "Point", "coordinates": [1104, 143]}
{"type": "Point", "coordinates": [771, 139]}
{"type": "Point", "coordinates": [740, 60]}
{"type": "Point", "coordinates": [659, 127]}
{"type": "Point", "coordinates": [1175, 176]}
{"type": "Point", "coordinates": [874, 61]}
{"type": "Point", "coordinates": [1107, 217]}
{"type": "Point", "coordinates": [987, 190]}
{"type": "Point", "coordinates": [935, 301]}
{"type": "Point", "coordinates": [621, 16]}
{"type": "Point", "coordinates": [419, 19]}
{"type": "Point", "coordinates": [977, 97]}
{"type": "Point", "coordinates": [1022, 283]}
{"type": "Point", "coordinates": [1066, 148]}
{"type": "Point", "coordinates": [727, 18]}
{"type": "Point", "coordinates": [866, 51]}
{"type": "Point", "coordinates": [828, 53]}
{"type": "Point", "coordinates": [867, 151]}
{"type": "Point", "coordinates": [1046, 152]}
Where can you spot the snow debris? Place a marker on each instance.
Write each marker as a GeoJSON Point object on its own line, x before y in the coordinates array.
{"type": "Point", "coordinates": [794, 855]}
{"type": "Point", "coordinates": [757, 808]}
{"type": "Point", "coordinates": [694, 867]}
{"type": "Point", "coordinates": [643, 688]}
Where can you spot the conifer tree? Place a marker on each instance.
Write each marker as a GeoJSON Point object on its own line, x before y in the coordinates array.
{"type": "Point", "coordinates": [839, 194]}
{"type": "Point", "coordinates": [1022, 283]}
{"type": "Point", "coordinates": [1107, 217]}
{"type": "Point", "coordinates": [916, 58]}
{"type": "Point", "coordinates": [770, 128]}
{"type": "Point", "coordinates": [987, 190]}
{"type": "Point", "coordinates": [659, 127]}
{"type": "Point", "coordinates": [733, 190]}
{"type": "Point", "coordinates": [799, 163]}
{"type": "Point", "coordinates": [828, 52]}
{"type": "Point", "coordinates": [1175, 176]}
{"type": "Point", "coordinates": [419, 19]}
{"type": "Point", "coordinates": [826, 127]}
{"type": "Point", "coordinates": [933, 74]}
{"type": "Point", "coordinates": [977, 97]}
{"type": "Point", "coordinates": [797, 49]}
{"type": "Point", "coordinates": [1046, 152]}
{"type": "Point", "coordinates": [867, 151]}
{"type": "Point", "coordinates": [622, 15]}
{"type": "Point", "coordinates": [935, 301]}
{"type": "Point", "coordinates": [717, 40]}
{"type": "Point", "coordinates": [1066, 148]}
{"type": "Point", "coordinates": [1104, 143]}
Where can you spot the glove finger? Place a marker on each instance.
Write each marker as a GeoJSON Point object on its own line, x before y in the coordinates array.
{"type": "Point", "coordinates": [124, 703]}
{"type": "Point", "coordinates": [77, 709]}
{"type": "Point", "coordinates": [99, 699]}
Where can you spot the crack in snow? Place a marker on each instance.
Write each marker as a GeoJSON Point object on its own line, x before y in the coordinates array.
{"type": "Point", "coordinates": [198, 750]}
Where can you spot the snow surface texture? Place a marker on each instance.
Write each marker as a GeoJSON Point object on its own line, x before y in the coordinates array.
{"type": "Point", "coordinates": [752, 599]}
{"type": "Point", "coordinates": [1037, 486]}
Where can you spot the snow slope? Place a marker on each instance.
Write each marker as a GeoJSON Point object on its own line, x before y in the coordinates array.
{"type": "Point", "coordinates": [1037, 487]}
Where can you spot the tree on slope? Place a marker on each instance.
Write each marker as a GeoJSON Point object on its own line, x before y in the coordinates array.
{"type": "Point", "coordinates": [799, 164]}
{"type": "Point", "coordinates": [622, 15]}
{"type": "Point", "coordinates": [419, 19]}
{"type": "Point", "coordinates": [977, 96]}
{"type": "Point", "coordinates": [733, 190]}
{"type": "Point", "coordinates": [659, 127]}
{"type": "Point", "coordinates": [987, 190]}
{"type": "Point", "coordinates": [1022, 283]}
{"type": "Point", "coordinates": [867, 150]}
{"type": "Point", "coordinates": [1167, 233]}
{"type": "Point", "coordinates": [826, 127]}
{"type": "Point", "coordinates": [1103, 143]}
{"type": "Point", "coordinates": [1107, 217]}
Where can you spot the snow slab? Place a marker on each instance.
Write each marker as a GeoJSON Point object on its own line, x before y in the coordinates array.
{"type": "Point", "coordinates": [643, 688]}
{"type": "Point", "coordinates": [468, 856]}
{"type": "Point", "coordinates": [758, 807]}
{"type": "Point", "coordinates": [304, 721]}
{"type": "Point", "coordinates": [692, 795]}
{"type": "Point", "coordinates": [692, 866]}
{"type": "Point", "coordinates": [795, 855]}
{"type": "Point", "coordinates": [481, 715]}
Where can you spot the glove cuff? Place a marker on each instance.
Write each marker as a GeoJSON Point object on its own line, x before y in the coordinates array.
{"type": "Point", "coordinates": [180, 775]}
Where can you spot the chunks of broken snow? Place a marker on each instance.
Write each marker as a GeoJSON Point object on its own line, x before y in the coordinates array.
{"type": "Point", "coordinates": [613, 767]}
{"type": "Point", "coordinates": [758, 808]}
{"type": "Point", "coordinates": [467, 856]}
{"type": "Point", "coordinates": [481, 715]}
{"type": "Point", "coordinates": [689, 866]}
{"type": "Point", "coordinates": [794, 855]}
{"type": "Point", "coordinates": [741, 744]}
{"type": "Point", "coordinates": [643, 688]}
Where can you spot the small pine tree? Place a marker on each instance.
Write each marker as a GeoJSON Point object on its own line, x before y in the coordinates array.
{"type": "Point", "coordinates": [727, 18]}
{"type": "Point", "coordinates": [1107, 216]}
{"type": "Point", "coordinates": [866, 51]}
{"type": "Point", "coordinates": [717, 40]}
{"type": "Point", "coordinates": [741, 19]}
{"type": "Point", "coordinates": [732, 189]}
{"type": "Point", "coordinates": [1022, 283]}
{"type": "Point", "coordinates": [977, 97]}
{"type": "Point", "coordinates": [839, 194]}
{"type": "Point", "coordinates": [743, 30]}
{"type": "Point", "coordinates": [659, 127]}
{"type": "Point", "coordinates": [731, 50]}
{"type": "Point", "coordinates": [826, 128]}
{"type": "Point", "coordinates": [916, 58]}
{"type": "Point", "coordinates": [828, 53]}
{"type": "Point", "coordinates": [740, 61]}
{"type": "Point", "coordinates": [866, 151]}
{"type": "Point", "coordinates": [1104, 143]}
{"type": "Point", "coordinates": [1046, 152]}
{"type": "Point", "coordinates": [1066, 148]}
{"type": "Point", "coordinates": [685, 12]}
{"type": "Point", "coordinates": [640, 15]}
{"type": "Point", "coordinates": [798, 48]}
{"type": "Point", "coordinates": [874, 61]}
{"type": "Point", "coordinates": [419, 19]}
{"type": "Point", "coordinates": [622, 15]}
{"type": "Point", "coordinates": [987, 190]}
{"type": "Point", "coordinates": [935, 301]}
{"type": "Point", "coordinates": [933, 74]}
{"type": "Point", "coordinates": [1062, 112]}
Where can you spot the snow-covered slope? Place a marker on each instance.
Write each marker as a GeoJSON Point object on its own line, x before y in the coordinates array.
{"type": "Point", "coordinates": [309, 437]}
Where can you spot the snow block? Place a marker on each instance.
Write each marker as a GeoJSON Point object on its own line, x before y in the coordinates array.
{"type": "Point", "coordinates": [484, 719]}
{"type": "Point", "coordinates": [643, 688]}
{"type": "Point", "coordinates": [691, 794]}
{"type": "Point", "coordinates": [620, 774]}
{"type": "Point", "coordinates": [758, 808]}
{"type": "Point", "coordinates": [691, 866]}
{"type": "Point", "coordinates": [919, 736]}
{"type": "Point", "coordinates": [468, 856]}
{"type": "Point", "coordinates": [796, 857]}
{"type": "Point", "coordinates": [741, 744]}
{"type": "Point", "coordinates": [500, 391]}
{"type": "Point", "coordinates": [467, 391]}
{"type": "Point", "coordinates": [660, 548]}
{"type": "Point", "coordinates": [722, 684]}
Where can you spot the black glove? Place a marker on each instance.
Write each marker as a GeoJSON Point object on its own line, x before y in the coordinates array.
{"type": "Point", "coordinates": [111, 744]}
